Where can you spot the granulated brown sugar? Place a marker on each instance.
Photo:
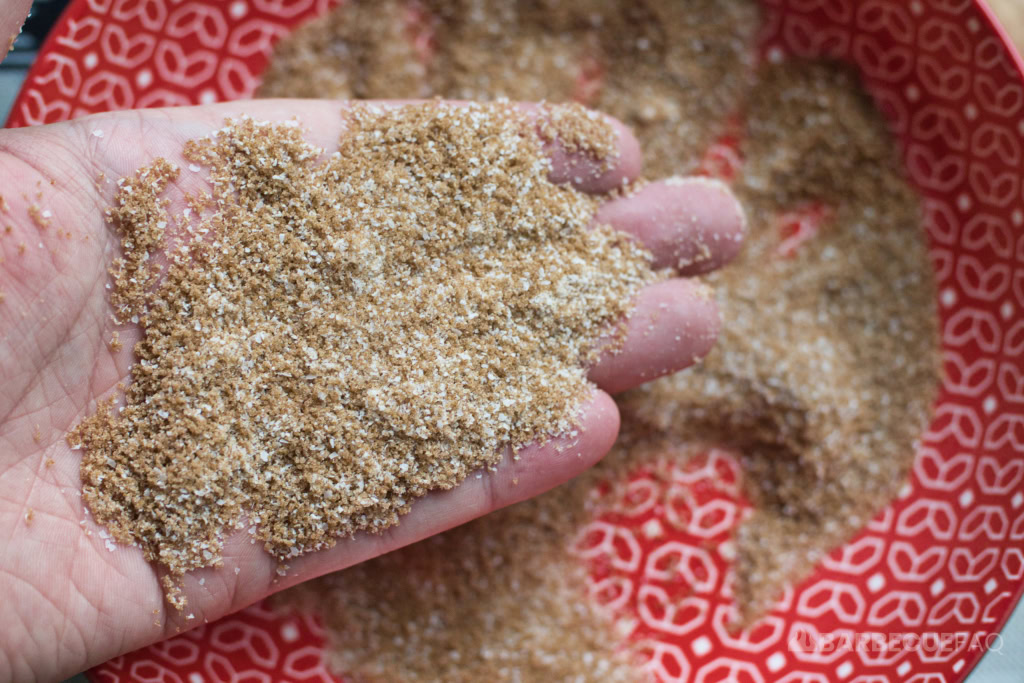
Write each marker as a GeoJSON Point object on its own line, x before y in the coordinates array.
{"type": "Point", "coordinates": [823, 376]}
{"type": "Point", "coordinates": [578, 131]}
{"type": "Point", "coordinates": [497, 599]}
{"type": "Point", "coordinates": [825, 373]}
{"type": "Point", "coordinates": [365, 54]}
{"type": "Point", "coordinates": [333, 339]}
{"type": "Point", "coordinates": [647, 62]}
{"type": "Point", "coordinates": [39, 216]}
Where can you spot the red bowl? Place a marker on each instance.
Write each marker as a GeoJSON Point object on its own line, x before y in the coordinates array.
{"type": "Point", "coordinates": [926, 586]}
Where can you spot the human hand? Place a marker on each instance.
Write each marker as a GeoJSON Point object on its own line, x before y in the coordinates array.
{"type": "Point", "coordinates": [66, 601]}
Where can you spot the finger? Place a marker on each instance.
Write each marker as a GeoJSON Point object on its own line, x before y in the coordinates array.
{"type": "Point", "coordinates": [674, 325]}
{"type": "Point", "coordinates": [597, 176]}
{"type": "Point", "coordinates": [537, 468]}
{"type": "Point", "coordinates": [692, 225]}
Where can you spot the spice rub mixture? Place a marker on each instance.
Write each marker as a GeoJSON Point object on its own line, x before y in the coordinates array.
{"type": "Point", "coordinates": [823, 376]}
{"type": "Point", "coordinates": [338, 336]}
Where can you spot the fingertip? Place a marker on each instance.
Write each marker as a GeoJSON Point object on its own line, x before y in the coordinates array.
{"type": "Point", "coordinates": [599, 423]}
{"type": "Point", "coordinates": [692, 225]}
{"type": "Point", "coordinates": [597, 176]}
{"type": "Point", "coordinates": [720, 217]}
{"type": "Point", "coordinates": [567, 455]}
{"type": "Point", "coordinates": [631, 156]}
{"type": "Point", "coordinates": [674, 324]}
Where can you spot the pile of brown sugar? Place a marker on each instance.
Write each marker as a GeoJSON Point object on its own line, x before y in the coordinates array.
{"type": "Point", "coordinates": [334, 338]}
{"type": "Point", "coordinates": [649, 62]}
{"type": "Point", "coordinates": [822, 379]}
{"type": "Point", "coordinates": [826, 371]}
{"type": "Point", "coordinates": [501, 598]}
{"type": "Point", "coordinates": [497, 599]}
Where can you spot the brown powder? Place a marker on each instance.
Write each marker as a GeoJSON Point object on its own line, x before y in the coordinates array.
{"type": "Point", "coordinates": [4, 206]}
{"type": "Point", "coordinates": [141, 216]}
{"type": "Point", "coordinates": [823, 376]}
{"type": "Point", "coordinates": [333, 339]}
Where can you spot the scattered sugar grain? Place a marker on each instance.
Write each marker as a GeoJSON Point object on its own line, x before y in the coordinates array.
{"type": "Point", "coordinates": [39, 216]}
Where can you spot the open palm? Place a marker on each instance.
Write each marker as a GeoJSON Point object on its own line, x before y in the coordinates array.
{"type": "Point", "coordinates": [70, 597]}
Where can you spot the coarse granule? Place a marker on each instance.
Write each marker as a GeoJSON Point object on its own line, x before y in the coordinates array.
{"type": "Point", "coordinates": [39, 216]}
{"type": "Point", "coordinates": [827, 365]}
{"type": "Point", "coordinates": [647, 62]}
{"type": "Point", "coordinates": [332, 339]}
